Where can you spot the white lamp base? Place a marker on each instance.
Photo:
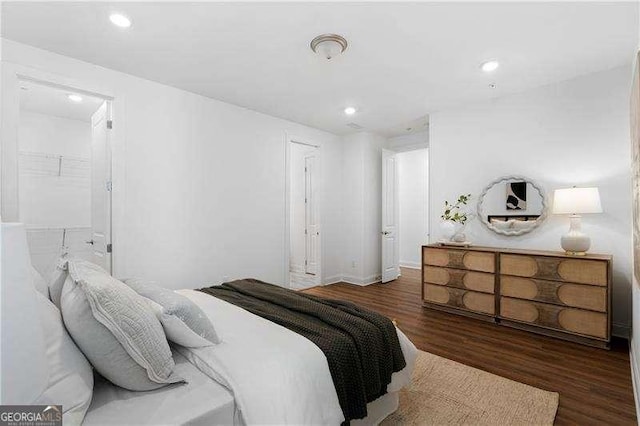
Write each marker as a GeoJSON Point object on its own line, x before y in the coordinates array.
{"type": "Point", "coordinates": [575, 242]}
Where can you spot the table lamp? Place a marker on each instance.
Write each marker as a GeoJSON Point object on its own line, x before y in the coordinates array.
{"type": "Point", "coordinates": [575, 201]}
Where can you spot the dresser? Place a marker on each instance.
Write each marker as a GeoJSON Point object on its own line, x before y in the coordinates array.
{"type": "Point", "coordinates": [546, 292]}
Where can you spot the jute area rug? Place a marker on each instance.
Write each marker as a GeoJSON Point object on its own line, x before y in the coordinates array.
{"type": "Point", "coordinates": [444, 392]}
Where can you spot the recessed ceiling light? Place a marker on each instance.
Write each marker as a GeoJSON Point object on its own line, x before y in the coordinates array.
{"type": "Point", "coordinates": [489, 66]}
{"type": "Point", "coordinates": [120, 20]}
{"type": "Point", "coordinates": [349, 110]}
{"type": "Point", "coordinates": [492, 86]}
{"type": "Point", "coordinates": [75, 98]}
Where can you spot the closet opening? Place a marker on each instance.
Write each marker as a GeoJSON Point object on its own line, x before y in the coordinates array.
{"type": "Point", "coordinates": [303, 218]}
{"type": "Point", "coordinates": [64, 174]}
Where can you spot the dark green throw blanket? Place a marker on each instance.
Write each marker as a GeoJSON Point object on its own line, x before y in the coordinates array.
{"type": "Point", "coordinates": [361, 346]}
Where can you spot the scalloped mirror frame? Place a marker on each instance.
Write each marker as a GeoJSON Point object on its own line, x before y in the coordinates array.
{"type": "Point", "coordinates": [483, 216]}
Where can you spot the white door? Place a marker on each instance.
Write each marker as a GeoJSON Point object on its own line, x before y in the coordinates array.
{"type": "Point", "coordinates": [312, 227]}
{"type": "Point", "coordinates": [101, 187]}
{"type": "Point", "coordinates": [390, 209]}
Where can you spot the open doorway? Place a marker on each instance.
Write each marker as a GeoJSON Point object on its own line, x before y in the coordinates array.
{"type": "Point", "coordinates": [64, 174]}
{"type": "Point", "coordinates": [405, 210]}
{"type": "Point", "coordinates": [304, 221]}
{"type": "Point", "coordinates": [413, 175]}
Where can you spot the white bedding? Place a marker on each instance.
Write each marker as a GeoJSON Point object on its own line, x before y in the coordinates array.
{"type": "Point", "coordinates": [276, 375]}
{"type": "Point", "coordinates": [201, 401]}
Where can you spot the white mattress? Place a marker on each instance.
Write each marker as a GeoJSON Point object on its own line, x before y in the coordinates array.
{"type": "Point", "coordinates": [201, 401]}
{"type": "Point", "coordinates": [276, 375]}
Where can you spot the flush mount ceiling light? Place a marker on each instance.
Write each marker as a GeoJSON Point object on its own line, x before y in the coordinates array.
{"type": "Point", "coordinates": [350, 110]}
{"type": "Point", "coordinates": [75, 98]}
{"type": "Point", "coordinates": [489, 66]}
{"type": "Point", "coordinates": [120, 20]}
{"type": "Point", "coordinates": [329, 45]}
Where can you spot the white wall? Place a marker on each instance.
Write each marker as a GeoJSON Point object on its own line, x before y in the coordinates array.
{"type": "Point", "coordinates": [413, 199]}
{"type": "Point", "coordinates": [362, 198]}
{"type": "Point", "coordinates": [55, 135]}
{"type": "Point", "coordinates": [634, 347]}
{"type": "Point", "coordinates": [198, 184]}
{"type": "Point", "coordinates": [571, 133]}
{"type": "Point", "coordinates": [48, 200]}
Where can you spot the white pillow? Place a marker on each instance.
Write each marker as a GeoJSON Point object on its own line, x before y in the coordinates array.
{"type": "Point", "coordinates": [115, 329]}
{"type": "Point", "coordinates": [183, 321]}
{"type": "Point", "coordinates": [70, 375]}
{"type": "Point", "coordinates": [57, 279]}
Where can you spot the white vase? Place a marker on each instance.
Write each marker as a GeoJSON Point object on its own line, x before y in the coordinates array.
{"type": "Point", "coordinates": [448, 229]}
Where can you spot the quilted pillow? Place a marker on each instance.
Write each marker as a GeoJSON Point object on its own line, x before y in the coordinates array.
{"type": "Point", "coordinates": [183, 321]}
{"type": "Point", "coordinates": [115, 329]}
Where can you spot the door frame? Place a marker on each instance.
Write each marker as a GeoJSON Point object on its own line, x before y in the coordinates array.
{"type": "Point", "coordinates": [396, 209]}
{"type": "Point", "coordinates": [11, 77]}
{"type": "Point", "coordinates": [410, 148]}
{"type": "Point", "coordinates": [288, 140]}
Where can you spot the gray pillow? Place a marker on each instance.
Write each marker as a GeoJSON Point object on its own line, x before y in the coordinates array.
{"type": "Point", "coordinates": [183, 321]}
{"type": "Point", "coordinates": [115, 329]}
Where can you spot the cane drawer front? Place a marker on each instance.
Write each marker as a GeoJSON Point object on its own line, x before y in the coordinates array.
{"type": "Point", "coordinates": [575, 270]}
{"type": "Point", "coordinates": [458, 298]}
{"type": "Point", "coordinates": [572, 320]}
{"type": "Point", "coordinates": [583, 296]}
{"type": "Point", "coordinates": [460, 278]}
{"type": "Point", "coordinates": [459, 259]}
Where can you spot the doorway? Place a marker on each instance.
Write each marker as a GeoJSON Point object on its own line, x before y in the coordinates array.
{"type": "Point", "coordinates": [64, 174]}
{"type": "Point", "coordinates": [304, 215]}
{"type": "Point", "coordinates": [405, 210]}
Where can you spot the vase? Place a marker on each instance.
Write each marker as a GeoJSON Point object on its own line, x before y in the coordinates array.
{"type": "Point", "coordinates": [459, 236]}
{"type": "Point", "coordinates": [448, 229]}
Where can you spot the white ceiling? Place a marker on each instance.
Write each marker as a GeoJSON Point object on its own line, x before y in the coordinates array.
{"type": "Point", "coordinates": [404, 60]}
{"type": "Point", "coordinates": [53, 101]}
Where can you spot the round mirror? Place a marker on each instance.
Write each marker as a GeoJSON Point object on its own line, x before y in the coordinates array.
{"type": "Point", "coordinates": [512, 205]}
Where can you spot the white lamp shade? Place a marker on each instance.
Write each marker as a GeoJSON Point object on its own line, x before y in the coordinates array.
{"type": "Point", "coordinates": [576, 201]}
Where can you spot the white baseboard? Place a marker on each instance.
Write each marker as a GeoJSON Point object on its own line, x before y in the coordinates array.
{"type": "Point", "coordinates": [372, 279]}
{"type": "Point", "coordinates": [332, 280]}
{"type": "Point", "coordinates": [410, 265]}
{"type": "Point", "coordinates": [635, 379]}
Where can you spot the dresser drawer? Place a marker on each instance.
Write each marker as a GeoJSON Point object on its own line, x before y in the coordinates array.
{"type": "Point", "coordinates": [459, 259]}
{"type": "Point", "coordinates": [583, 271]}
{"type": "Point", "coordinates": [465, 299]}
{"type": "Point", "coordinates": [578, 321]}
{"type": "Point", "coordinates": [459, 278]}
{"type": "Point", "coordinates": [560, 293]}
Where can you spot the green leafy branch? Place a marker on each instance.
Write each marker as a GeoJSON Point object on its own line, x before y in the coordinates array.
{"type": "Point", "coordinates": [453, 213]}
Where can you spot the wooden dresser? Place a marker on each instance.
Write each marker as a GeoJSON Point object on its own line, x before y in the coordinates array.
{"type": "Point", "coordinates": [546, 292]}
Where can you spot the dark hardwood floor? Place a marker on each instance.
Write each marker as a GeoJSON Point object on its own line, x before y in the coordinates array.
{"type": "Point", "coordinates": [594, 384]}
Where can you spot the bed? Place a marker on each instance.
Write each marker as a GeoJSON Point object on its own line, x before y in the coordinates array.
{"type": "Point", "coordinates": [259, 373]}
